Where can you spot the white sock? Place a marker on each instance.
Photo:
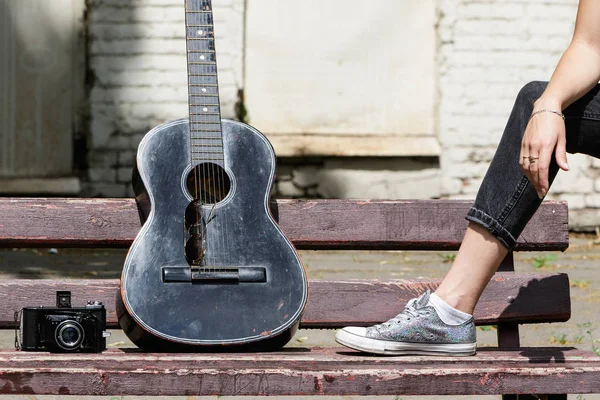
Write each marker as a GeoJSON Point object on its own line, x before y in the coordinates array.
{"type": "Point", "coordinates": [448, 314]}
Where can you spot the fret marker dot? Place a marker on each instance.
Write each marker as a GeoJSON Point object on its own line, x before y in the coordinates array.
{"type": "Point", "coordinates": [202, 57]}
{"type": "Point", "coordinates": [200, 32]}
{"type": "Point", "coordinates": [205, 109]}
{"type": "Point", "coordinates": [203, 90]}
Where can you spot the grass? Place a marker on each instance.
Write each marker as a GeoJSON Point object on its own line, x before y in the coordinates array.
{"type": "Point", "coordinates": [562, 339]}
{"type": "Point", "coordinates": [447, 257]}
{"type": "Point", "coordinates": [581, 284]}
{"type": "Point", "coordinates": [486, 328]}
{"type": "Point", "coordinates": [586, 331]}
{"type": "Point", "coordinates": [543, 261]}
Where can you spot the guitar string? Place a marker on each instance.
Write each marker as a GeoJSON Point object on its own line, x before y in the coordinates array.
{"type": "Point", "coordinates": [220, 240]}
{"type": "Point", "coordinates": [211, 251]}
{"type": "Point", "coordinates": [199, 164]}
{"type": "Point", "coordinates": [221, 171]}
{"type": "Point", "coordinates": [194, 170]}
{"type": "Point", "coordinates": [216, 176]}
{"type": "Point", "coordinates": [206, 173]}
{"type": "Point", "coordinates": [206, 7]}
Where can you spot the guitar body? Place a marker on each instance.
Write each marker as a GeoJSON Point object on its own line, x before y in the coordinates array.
{"type": "Point", "coordinates": [161, 309]}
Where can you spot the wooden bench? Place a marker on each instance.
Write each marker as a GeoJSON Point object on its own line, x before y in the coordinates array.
{"type": "Point", "coordinates": [510, 299]}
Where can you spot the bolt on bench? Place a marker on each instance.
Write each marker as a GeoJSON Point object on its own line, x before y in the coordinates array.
{"type": "Point", "coordinates": [511, 299]}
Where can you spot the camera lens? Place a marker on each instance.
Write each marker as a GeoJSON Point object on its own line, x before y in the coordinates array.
{"type": "Point", "coordinates": [69, 335]}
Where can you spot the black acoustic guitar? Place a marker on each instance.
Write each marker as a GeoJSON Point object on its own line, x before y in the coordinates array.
{"type": "Point", "coordinates": [210, 269]}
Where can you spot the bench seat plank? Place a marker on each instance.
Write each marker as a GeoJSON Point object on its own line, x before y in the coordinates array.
{"type": "Point", "coordinates": [299, 371]}
{"type": "Point", "coordinates": [310, 224]}
{"type": "Point", "coordinates": [509, 298]}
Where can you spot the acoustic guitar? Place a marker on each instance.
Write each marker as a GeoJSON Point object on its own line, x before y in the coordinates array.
{"type": "Point", "coordinates": [210, 269]}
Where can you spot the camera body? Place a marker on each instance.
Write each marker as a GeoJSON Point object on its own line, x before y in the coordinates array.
{"type": "Point", "coordinates": [64, 328]}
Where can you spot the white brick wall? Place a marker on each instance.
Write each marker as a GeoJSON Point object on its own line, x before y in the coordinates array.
{"type": "Point", "coordinates": [137, 60]}
{"type": "Point", "coordinates": [488, 50]}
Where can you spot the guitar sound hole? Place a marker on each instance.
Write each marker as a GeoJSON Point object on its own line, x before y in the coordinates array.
{"type": "Point", "coordinates": [208, 183]}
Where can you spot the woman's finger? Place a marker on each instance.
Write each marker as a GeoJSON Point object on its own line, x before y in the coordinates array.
{"type": "Point", "coordinates": [543, 168]}
{"type": "Point", "coordinates": [527, 171]}
{"type": "Point", "coordinates": [533, 163]}
{"type": "Point", "coordinates": [523, 161]}
{"type": "Point", "coordinates": [561, 152]}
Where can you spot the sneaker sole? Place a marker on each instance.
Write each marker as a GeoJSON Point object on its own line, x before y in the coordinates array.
{"type": "Point", "coordinates": [386, 347]}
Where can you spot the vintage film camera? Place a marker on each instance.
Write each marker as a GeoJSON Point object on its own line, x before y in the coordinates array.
{"type": "Point", "coordinates": [64, 328]}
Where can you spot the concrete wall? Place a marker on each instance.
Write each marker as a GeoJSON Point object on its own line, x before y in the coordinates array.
{"type": "Point", "coordinates": [337, 67]}
{"type": "Point", "coordinates": [485, 51]}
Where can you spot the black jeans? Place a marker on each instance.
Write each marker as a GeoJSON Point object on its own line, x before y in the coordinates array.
{"type": "Point", "coordinates": [506, 200]}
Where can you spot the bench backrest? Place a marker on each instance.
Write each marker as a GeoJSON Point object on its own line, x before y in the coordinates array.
{"type": "Point", "coordinates": [509, 300]}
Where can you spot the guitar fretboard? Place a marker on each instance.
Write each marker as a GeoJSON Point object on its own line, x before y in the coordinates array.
{"type": "Point", "coordinates": [203, 84]}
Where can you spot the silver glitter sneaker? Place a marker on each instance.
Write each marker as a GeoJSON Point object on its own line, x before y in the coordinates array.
{"type": "Point", "coordinates": [416, 330]}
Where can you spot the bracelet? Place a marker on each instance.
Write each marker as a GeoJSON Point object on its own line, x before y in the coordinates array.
{"type": "Point", "coordinates": [548, 110]}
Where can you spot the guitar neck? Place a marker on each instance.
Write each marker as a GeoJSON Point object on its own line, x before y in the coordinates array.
{"type": "Point", "coordinates": [203, 84]}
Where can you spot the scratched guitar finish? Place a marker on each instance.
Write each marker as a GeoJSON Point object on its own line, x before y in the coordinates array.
{"type": "Point", "coordinates": [210, 269]}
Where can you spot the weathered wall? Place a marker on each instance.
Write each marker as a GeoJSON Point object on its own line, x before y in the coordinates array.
{"type": "Point", "coordinates": [41, 86]}
{"type": "Point", "coordinates": [344, 70]}
{"type": "Point", "coordinates": [486, 51]}
{"type": "Point", "coordinates": [138, 63]}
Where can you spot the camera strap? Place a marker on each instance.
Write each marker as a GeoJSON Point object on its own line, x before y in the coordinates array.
{"type": "Point", "coordinates": [17, 344]}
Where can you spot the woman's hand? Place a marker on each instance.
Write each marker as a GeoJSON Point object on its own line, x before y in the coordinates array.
{"type": "Point", "coordinates": [544, 138]}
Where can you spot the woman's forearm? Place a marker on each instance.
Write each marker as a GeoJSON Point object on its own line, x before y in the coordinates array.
{"type": "Point", "coordinates": [576, 74]}
{"type": "Point", "coordinates": [578, 70]}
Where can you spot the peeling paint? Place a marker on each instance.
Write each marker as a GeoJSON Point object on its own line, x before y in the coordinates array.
{"type": "Point", "coordinates": [318, 384]}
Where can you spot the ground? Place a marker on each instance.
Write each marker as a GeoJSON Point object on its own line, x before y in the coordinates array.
{"type": "Point", "coordinates": [580, 261]}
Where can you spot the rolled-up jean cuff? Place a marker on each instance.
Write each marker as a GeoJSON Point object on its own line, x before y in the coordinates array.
{"type": "Point", "coordinates": [493, 226]}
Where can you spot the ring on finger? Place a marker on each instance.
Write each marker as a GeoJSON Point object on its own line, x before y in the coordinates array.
{"type": "Point", "coordinates": [532, 159]}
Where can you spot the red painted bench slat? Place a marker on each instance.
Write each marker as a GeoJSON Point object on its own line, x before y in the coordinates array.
{"type": "Point", "coordinates": [310, 224]}
{"type": "Point", "coordinates": [300, 371]}
{"type": "Point", "coordinates": [510, 298]}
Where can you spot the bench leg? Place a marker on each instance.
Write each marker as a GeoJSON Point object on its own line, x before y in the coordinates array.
{"type": "Point", "coordinates": [508, 264]}
{"type": "Point", "coordinates": [508, 336]}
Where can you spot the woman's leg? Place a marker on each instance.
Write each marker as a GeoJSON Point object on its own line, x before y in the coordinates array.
{"type": "Point", "coordinates": [506, 200]}
{"type": "Point", "coordinates": [441, 323]}
{"type": "Point", "coordinates": [477, 260]}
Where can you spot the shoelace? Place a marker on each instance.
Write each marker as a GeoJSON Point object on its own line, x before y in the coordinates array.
{"type": "Point", "coordinates": [410, 310]}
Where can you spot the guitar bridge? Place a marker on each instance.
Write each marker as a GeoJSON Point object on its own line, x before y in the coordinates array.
{"type": "Point", "coordinates": [214, 275]}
